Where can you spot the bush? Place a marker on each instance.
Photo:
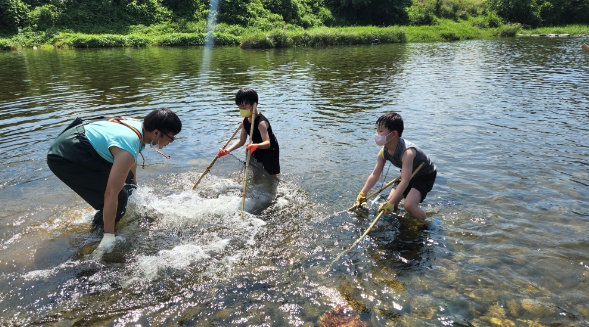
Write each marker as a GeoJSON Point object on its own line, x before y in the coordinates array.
{"type": "Point", "coordinates": [136, 41]}
{"type": "Point", "coordinates": [256, 41]}
{"type": "Point", "coordinates": [325, 16]}
{"type": "Point", "coordinates": [226, 39]}
{"type": "Point", "coordinates": [44, 17]}
{"type": "Point", "coordinates": [98, 41]}
{"type": "Point", "coordinates": [5, 44]}
{"type": "Point", "coordinates": [450, 36]}
{"type": "Point", "coordinates": [419, 16]}
{"type": "Point", "coordinates": [261, 18]}
{"type": "Point", "coordinates": [229, 29]}
{"type": "Point", "coordinates": [279, 38]}
{"type": "Point", "coordinates": [29, 38]}
{"type": "Point", "coordinates": [78, 40]}
{"type": "Point", "coordinates": [181, 39]}
{"type": "Point", "coordinates": [509, 30]}
{"type": "Point", "coordinates": [490, 20]}
{"type": "Point", "coordinates": [323, 37]}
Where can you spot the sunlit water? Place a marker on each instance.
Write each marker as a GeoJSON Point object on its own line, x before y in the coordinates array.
{"type": "Point", "coordinates": [507, 237]}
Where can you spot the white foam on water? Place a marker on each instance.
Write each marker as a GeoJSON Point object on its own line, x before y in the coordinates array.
{"type": "Point", "coordinates": [207, 225]}
{"type": "Point", "coordinates": [333, 294]}
{"type": "Point", "coordinates": [39, 274]}
{"type": "Point", "coordinates": [281, 202]}
{"type": "Point", "coordinates": [44, 274]}
{"type": "Point", "coordinates": [213, 236]}
{"type": "Point", "coordinates": [11, 240]}
{"type": "Point", "coordinates": [188, 207]}
{"type": "Point", "coordinates": [180, 257]}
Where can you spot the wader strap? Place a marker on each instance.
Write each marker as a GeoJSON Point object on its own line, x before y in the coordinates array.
{"type": "Point", "coordinates": [117, 120]}
{"type": "Point", "coordinates": [120, 121]}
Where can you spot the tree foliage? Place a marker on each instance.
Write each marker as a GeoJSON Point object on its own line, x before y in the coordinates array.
{"type": "Point", "coordinates": [116, 16]}
{"type": "Point", "coordinates": [370, 12]}
{"type": "Point", "coordinates": [522, 11]}
{"type": "Point", "coordinates": [13, 14]}
{"type": "Point", "coordinates": [542, 12]}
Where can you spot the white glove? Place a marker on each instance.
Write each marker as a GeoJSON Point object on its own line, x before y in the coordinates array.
{"type": "Point", "coordinates": [106, 246]}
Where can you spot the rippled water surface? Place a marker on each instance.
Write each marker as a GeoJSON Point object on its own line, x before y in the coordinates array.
{"type": "Point", "coordinates": [506, 242]}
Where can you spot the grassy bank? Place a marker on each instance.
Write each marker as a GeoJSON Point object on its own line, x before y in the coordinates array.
{"type": "Point", "coordinates": [194, 35]}
{"type": "Point", "coordinates": [568, 29]}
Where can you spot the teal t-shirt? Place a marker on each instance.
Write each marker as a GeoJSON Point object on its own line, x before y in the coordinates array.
{"type": "Point", "coordinates": [104, 134]}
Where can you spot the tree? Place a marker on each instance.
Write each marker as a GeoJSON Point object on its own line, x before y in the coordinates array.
{"type": "Point", "coordinates": [13, 15]}
{"type": "Point", "coordinates": [517, 11]}
{"type": "Point", "coordinates": [367, 12]}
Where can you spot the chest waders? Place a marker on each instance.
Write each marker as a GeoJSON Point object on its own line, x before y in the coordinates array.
{"type": "Point", "coordinates": [76, 163]}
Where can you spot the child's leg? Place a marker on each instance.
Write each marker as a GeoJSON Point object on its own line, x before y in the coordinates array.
{"type": "Point", "coordinates": [411, 204]}
{"type": "Point", "coordinates": [416, 192]}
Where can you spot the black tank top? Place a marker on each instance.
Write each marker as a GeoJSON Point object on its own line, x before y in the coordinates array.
{"type": "Point", "coordinates": [257, 137]}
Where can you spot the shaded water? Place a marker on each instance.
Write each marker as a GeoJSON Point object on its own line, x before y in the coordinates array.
{"type": "Point", "coordinates": [505, 122]}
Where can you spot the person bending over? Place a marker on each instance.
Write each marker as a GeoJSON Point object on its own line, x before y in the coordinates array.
{"type": "Point", "coordinates": [405, 155]}
{"type": "Point", "coordinates": [97, 159]}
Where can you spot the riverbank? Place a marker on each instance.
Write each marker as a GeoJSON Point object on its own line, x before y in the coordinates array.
{"type": "Point", "coordinates": [223, 35]}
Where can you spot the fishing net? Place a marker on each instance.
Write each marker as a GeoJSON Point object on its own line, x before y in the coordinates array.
{"type": "Point", "coordinates": [226, 178]}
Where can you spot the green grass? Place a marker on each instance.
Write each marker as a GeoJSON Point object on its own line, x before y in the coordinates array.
{"type": "Point", "coordinates": [322, 36]}
{"type": "Point", "coordinates": [193, 34]}
{"type": "Point", "coordinates": [449, 30]}
{"type": "Point", "coordinates": [568, 29]}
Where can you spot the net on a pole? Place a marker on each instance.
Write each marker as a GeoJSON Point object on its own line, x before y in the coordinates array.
{"type": "Point", "coordinates": [226, 178]}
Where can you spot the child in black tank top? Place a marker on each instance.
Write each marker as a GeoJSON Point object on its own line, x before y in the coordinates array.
{"type": "Point", "coordinates": [264, 147]}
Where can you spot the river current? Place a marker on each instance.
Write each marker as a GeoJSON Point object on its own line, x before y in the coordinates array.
{"type": "Point", "coordinates": [506, 240]}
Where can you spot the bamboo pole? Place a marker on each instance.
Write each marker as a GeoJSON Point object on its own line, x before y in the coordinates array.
{"type": "Point", "coordinates": [212, 162]}
{"type": "Point", "coordinates": [387, 185]}
{"type": "Point", "coordinates": [247, 161]}
{"type": "Point", "coordinates": [379, 215]}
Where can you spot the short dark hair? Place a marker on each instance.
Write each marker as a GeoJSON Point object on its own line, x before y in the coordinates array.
{"type": "Point", "coordinates": [247, 96]}
{"type": "Point", "coordinates": [392, 121]}
{"type": "Point", "coordinates": [164, 120]}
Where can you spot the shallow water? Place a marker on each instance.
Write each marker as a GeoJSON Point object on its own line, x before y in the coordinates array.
{"type": "Point", "coordinates": [506, 243]}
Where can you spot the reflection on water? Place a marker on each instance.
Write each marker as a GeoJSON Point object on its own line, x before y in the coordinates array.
{"type": "Point", "coordinates": [505, 122]}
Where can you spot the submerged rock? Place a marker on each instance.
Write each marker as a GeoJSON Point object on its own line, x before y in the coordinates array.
{"type": "Point", "coordinates": [341, 316]}
{"type": "Point", "coordinates": [536, 308]}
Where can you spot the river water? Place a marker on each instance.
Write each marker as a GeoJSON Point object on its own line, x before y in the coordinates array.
{"type": "Point", "coordinates": [506, 242]}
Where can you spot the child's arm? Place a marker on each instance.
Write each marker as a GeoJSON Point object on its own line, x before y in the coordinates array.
{"type": "Point", "coordinates": [263, 128]}
{"type": "Point", "coordinates": [242, 138]}
{"type": "Point", "coordinates": [265, 144]}
{"type": "Point", "coordinates": [237, 144]}
{"type": "Point", "coordinates": [373, 178]}
{"type": "Point", "coordinates": [396, 194]}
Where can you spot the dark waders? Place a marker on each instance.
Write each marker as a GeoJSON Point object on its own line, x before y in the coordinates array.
{"type": "Point", "coordinates": [74, 161]}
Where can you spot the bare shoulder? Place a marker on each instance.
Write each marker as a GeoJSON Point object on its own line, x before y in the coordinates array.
{"type": "Point", "coordinates": [263, 124]}
{"type": "Point", "coordinates": [410, 153]}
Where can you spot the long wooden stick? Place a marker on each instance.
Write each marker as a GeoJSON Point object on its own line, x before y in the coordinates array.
{"type": "Point", "coordinates": [373, 222]}
{"type": "Point", "coordinates": [585, 47]}
{"type": "Point", "coordinates": [247, 161]}
{"type": "Point", "coordinates": [379, 215]}
{"type": "Point", "coordinates": [387, 185]}
{"type": "Point", "coordinates": [212, 162]}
